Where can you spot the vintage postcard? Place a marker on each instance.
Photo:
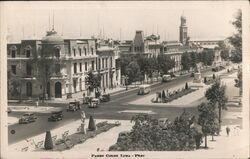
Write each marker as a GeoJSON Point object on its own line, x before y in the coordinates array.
{"type": "Point", "coordinates": [124, 79]}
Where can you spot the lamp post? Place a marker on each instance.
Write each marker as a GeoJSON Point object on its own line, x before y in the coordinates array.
{"type": "Point", "coordinates": [126, 82]}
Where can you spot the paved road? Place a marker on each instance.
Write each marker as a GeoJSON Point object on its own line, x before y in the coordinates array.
{"type": "Point", "coordinates": [109, 110]}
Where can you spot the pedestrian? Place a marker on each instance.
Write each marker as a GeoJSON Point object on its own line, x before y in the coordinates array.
{"type": "Point", "coordinates": [227, 130]}
{"type": "Point", "coordinates": [37, 103]}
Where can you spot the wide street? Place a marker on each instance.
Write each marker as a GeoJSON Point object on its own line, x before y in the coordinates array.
{"type": "Point", "coordinates": [110, 110]}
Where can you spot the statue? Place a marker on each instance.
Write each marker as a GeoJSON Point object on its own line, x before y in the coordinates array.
{"type": "Point", "coordinates": [83, 117]}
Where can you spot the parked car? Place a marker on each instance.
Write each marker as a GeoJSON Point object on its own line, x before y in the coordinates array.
{"type": "Point", "coordinates": [27, 118]}
{"type": "Point", "coordinates": [166, 78]}
{"type": "Point", "coordinates": [105, 98]}
{"type": "Point", "coordinates": [55, 116]}
{"type": "Point", "coordinates": [74, 106]}
{"type": "Point", "coordinates": [94, 103]}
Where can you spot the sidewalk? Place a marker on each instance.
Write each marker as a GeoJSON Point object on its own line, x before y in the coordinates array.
{"type": "Point", "coordinates": [105, 139]}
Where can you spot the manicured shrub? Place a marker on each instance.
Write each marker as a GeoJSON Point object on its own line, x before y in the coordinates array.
{"type": "Point", "coordinates": [186, 85]}
{"type": "Point", "coordinates": [92, 126]}
{"type": "Point", "coordinates": [48, 144]}
{"type": "Point", "coordinates": [205, 79]}
{"type": "Point", "coordinates": [214, 76]}
{"type": "Point", "coordinates": [163, 94]}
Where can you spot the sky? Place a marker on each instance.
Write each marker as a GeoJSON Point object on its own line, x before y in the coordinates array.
{"type": "Point", "coordinates": [120, 20]}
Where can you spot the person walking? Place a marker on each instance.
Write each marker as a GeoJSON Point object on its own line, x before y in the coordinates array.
{"type": "Point", "coordinates": [37, 102]}
{"type": "Point", "coordinates": [227, 130]}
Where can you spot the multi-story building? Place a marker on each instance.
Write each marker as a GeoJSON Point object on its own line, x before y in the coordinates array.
{"type": "Point", "coordinates": [106, 64]}
{"type": "Point", "coordinates": [52, 67]}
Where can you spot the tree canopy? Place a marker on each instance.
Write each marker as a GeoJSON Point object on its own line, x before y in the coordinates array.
{"type": "Point", "coordinates": [236, 38]}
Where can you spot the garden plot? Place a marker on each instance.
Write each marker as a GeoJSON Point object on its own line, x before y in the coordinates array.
{"type": "Point", "coordinates": [30, 144]}
{"type": "Point", "coordinates": [185, 100]}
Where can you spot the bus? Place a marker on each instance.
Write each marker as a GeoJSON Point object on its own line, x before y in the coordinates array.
{"type": "Point", "coordinates": [144, 89]}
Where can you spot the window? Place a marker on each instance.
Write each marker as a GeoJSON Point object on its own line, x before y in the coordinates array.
{"type": "Point", "coordinates": [57, 68]}
{"type": "Point", "coordinates": [92, 51]}
{"type": "Point", "coordinates": [80, 51]}
{"type": "Point", "coordinates": [13, 53]}
{"type": "Point", "coordinates": [13, 69]}
{"type": "Point", "coordinates": [103, 63]}
{"type": "Point", "coordinates": [106, 64]}
{"type": "Point", "coordinates": [74, 85]}
{"type": "Point", "coordinates": [85, 51]}
{"type": "Point", "coordinates": [28, 69]}
{"type": "Point", "coordinates": [111, 62]}
{"type": "Point", "coordinates": [99, 61]}
{"type": "Point", "coordinates": [75, 67]}
{"type": "Point", "coordinates": [86, 66]}
{"type": "Point", "coordinates": [27, 53]}
{"type": "Point", "coordinates": [74, 52]}
{"type": "Point", "coordinates": [93, 65]}
{"type": "Point", "coordinates": [80, 67]}
{"type": "Point", "coordinates": [57, 53]}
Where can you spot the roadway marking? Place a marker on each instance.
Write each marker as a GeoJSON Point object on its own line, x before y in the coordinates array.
{"type": "Point", "coordinates": [137, 111]}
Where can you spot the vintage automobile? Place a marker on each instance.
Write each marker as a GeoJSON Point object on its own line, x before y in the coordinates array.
{"type": "Point", "coordinates": [74, 106]}
{"type": "Point", "coordinates": [105, 98]}
{"type": "Point", "coordinates": [27, 118]}
{"type": "Point", "coordinates": [94, 103]}
{"type": "Point", "coordinates": [55, 116]}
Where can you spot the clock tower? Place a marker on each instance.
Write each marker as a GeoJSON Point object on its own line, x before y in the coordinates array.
{"type": "Point", "coordinates": [183, 31]}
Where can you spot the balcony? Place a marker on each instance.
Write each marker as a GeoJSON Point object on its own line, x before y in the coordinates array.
{"type": "Point", "coordinates": [55, 76]}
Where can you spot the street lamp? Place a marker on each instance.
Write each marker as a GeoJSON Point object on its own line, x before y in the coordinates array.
{"type": "Point", "coordinates": [126, 82]}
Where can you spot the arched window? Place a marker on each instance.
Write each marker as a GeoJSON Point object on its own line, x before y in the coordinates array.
{"type": "Point", "coordinates": [28, 52]}
{"type": "Point", "coordinates": [57, 53]}
{"type": "Point", "coordinates": [13, 53]}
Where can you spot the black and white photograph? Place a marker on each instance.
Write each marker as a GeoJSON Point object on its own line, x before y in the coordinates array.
{"type": "Point", "coordinates": [124, 79]}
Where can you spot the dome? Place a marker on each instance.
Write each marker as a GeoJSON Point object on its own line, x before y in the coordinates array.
{"type": "Point", "coordinates": [183, 17]}
{"type": "Point", "coordinates": [52, 37]}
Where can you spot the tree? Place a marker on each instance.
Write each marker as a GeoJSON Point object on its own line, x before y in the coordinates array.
{"type": "Point", "coordinates": [207, 57]}
{"type": "Point", "coordinates": [148, 134]}
{"type": "Point", "coordinates": [133, 71]}
{"type": "Point", "coordinates": [238, 81]}
{"type": "Point", "coordinates": [123, 62]}
{"type": "Point", "coordinates": [14, 86]}
{"type": "Point", "coordinates": [224, 51]}
{"type": "Point", "coordinates": [208, 120]}
{"type": "Point", "coordinates": [216, 97]}
{"type": "Point", "coordinates": [48, 144]}
{"type": "Point", "coordinates": [185, 61]}
{"type": "Point", "coordinates": [93, 80]}
{"type": "Point", "coordinates": [236, 39]}
{"type": "Point", "coordinates": [194, 59]}
{"type": "Point", "coordinates": [165, 63]}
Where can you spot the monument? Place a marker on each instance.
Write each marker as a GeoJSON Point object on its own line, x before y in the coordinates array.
{"type": "Point", "coordinates": [83, 117]}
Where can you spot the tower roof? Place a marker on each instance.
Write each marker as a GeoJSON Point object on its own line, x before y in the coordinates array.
{"type": "Point", "coordinates": [52, 37]}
